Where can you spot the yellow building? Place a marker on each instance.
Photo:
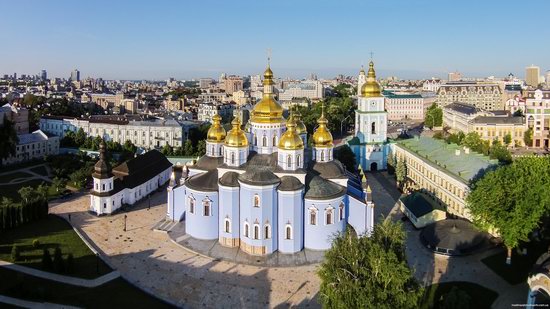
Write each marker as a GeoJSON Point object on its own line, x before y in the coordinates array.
{"type": "Point", "coordinates": [491, 128]}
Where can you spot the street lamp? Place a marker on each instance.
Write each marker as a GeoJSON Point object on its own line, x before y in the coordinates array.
{"type": "Point", "coordinates": [125, 216]}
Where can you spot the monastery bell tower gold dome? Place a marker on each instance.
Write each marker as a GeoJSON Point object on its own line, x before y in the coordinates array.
{"type": "Point", "coordinates": [267, 110]}
{"type": "Point", "coordinates": [290, 139]}
{"type": "Point", "coordinates": [216, 133]}
{"type": "Point", "coordinates": [236, 137]}
{"type": "Point", "coordinates": [322, 136]}
{"type": "Point", "coordinates": [371, 88]}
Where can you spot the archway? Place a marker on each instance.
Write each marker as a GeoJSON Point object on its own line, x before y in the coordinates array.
{"type": "Point", "coordinates": [373, 167]}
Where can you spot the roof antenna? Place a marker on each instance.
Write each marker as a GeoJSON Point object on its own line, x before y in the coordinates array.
{"type": "Point", "coordinates": [371, 55]}
{"type": "Point", "coordinates": [269, 57]}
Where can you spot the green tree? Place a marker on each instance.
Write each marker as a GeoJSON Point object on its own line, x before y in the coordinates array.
{"type": "Point", "coordinates": [8, 139]}
{"type": "Point", "coordinates": [27, 194]}
{"type": "Point", "coordinates": [345, 155]}
{"type": "Point", "coordinates": [69, 264]}
{"type": "Point", "coordinates": [512, 199]}
{"type": "Point", "coordinates": [47, 263]}
{"type": "Point", "coordinates": [401, 172]}
{"type": "Point", "coordinates": [188, 148]}
{"type": "Point", "coordinates": [166, 150]}
{"type": "Point", "coordinates": [58, 262]}
{"type": "Point", "coordinates": [369, 272]}
{"type": "Point", "coordinates": [80, 138]}
{"type": "Point", "coordinates": [15, 253]}
{"type": "Point", "coordinates": [201, 148]}
{"type": "Point", "coordinates": [507, 139]}
{"type": "Point", "coordinates": [59, 184]}
{"type": "Point", "coordinates": [434, 116]}
{"type": "Point", "coordinates": [528, 137]}
{"type": "Point", "coordinates": [129, 147]}
{"type": "Point", "coordinates": [455, 299]}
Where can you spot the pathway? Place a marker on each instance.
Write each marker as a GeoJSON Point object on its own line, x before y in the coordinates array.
{"type": "Point", "coordinates": [27, 170]}
{"type": "Point", "coordinates": [31, 304]}
{"type": "Point", "coordinates": [87, 283]}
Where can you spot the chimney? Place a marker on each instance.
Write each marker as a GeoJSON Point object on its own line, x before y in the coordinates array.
{"type": "Point", "coordinates": [457, 152]}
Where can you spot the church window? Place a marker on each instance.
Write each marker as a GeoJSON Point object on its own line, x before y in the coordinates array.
{"type": "Point", "coordinates": [313, 217]}
{"type": "Point", "coordinates": [213, 149]}
{"type": "Point", "coordinates": [96, 186]}
{"type": "Point", "coordinates": [256, 201]}
{"type": "Point", "coordinates": [298, 160]}
{"type": "Point", "coordinates": [191, 205]}
{"type": "Point", "coordinates": [373, 128]}
{"type": "Point", "coordinates": [264, 141]}
{"type": "Point", "coordinates": [322, 155]}
{"type": "Point", "coordinates": [227, 225]}
{"type": "Point", "coordinates": [104, 205]}
{"type": "Point", "coordinates": [110, 186]}
{"type": "Point", "coordinates": [275, 140]}
{"type": "Point", "coordinates": [246, 229]}
{"type": "Point", "coordinates": [232, 158]}
{"type": "Point", "coordinates": [288, 232]}
{"type": "Point", "coordinates": [206, 205]}
{"type": "Point", "coordinates": [341, 211]}
{"type": "Point", "coordinates": [329, 218]}
{"type": "Point", "coordinates": [103, 187]}
{"type": "Point", "coordinates": [288, 161]}
{"type": "Point", "coordinates": [267, 231]}
{"type": "Point", "coordinates": [256, 231]}
{"type": "Point", "coordinates": [255, 141]}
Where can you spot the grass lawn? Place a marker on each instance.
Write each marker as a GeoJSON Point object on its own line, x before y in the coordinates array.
{"type": "Point", "coordinates": [521, 264]}
{"type": "Point", "coordinates": [40, 170]}
{"type": "Point", "coordinates": [52, 232]}
{"type": "Point", "coordinates": [6, 178]}
{"type": "Point", "coordinates": [11, 190]}
{"type": "Point", "coordinates": [480, 297]}
{"type": "Point", "coordinates": [114, 294]}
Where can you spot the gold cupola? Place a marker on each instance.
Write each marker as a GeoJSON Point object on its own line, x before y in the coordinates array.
{"type": "Point", "coordinates": [267, 110]}
{"type": "Point", "coordinates": [371, 88]}
{"type": "Point", "coordinates": [236, 137]}
{"type": "Point", "coordinates": [322, 136]}
{"type": "Point", "coordinates": [291, 139]}
{"type": "Point", "coordinates": [216, 133]}
{"type": "Point", "coordinates": [300, 126]}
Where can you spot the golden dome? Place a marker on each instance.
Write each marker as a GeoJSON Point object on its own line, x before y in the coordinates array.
{"type": "Point", "coordinates": [267, 110]}
{"type": "Point", "coordinates": [322, 136]}
{"type": "Point", "coordinates": [236, 137]}
{"type": "Point", "coordinates": [290, 139]}
{"type": "Point", "coordinates": [300, 126]}
{"type": "Point", "coordinates": [371, 88]}
{"type": "Point", "coordinates": [216, 133]}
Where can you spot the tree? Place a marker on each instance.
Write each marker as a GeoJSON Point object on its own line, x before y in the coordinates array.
{"type": "Point", "coordinates": [129, 147]}
{"type": "Point", "coordinates": [59, 184]}
{"type": "Point", "coordinates": [15, 253]}
{"type": "Point", "coordinates": [27, 194]}
{"type": "Point", "coordinates": [47, 263]}
{"type": "Point", "coordinates": [434, 116]}
{"type": "Point", "coordinates": [80, 138]}
{"type": "Point", "coordinates": [188, 148]}
{"type": "Point", "coordinates": [518, 113]}
{"type": "Point", "coordinates": [391, 163]}
{"type": "Point", "coordinates": [58, 263]}
{"type": "Point", "coordinates": [528, 137]}
{"type": "Point", "coordinates": [455, 299]}
{"type": "Point", "coordinates": [400, 172]}
{"type": "Point", "coordinates": [201, 148]}
{"type": "Point", "coordinates": [8, 139]}
{"type": "Point", "coordinates": [501, 153]}
{"type": "Point", "coordinates": [507, 139]}
{"type": "Point", "coordinates": [345, 155]}
{"type": "Point", "coordinates": [166, 150]}
{"type": "Point", "coordinates": [69, 264]}
{"type": "Point", "coordinates": [512, 199]}
{"type": "Point", "coordinates": [369, 272]}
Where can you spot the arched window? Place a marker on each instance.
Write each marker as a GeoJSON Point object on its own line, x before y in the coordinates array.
{"type": "Point", "coordinates": [322, 155]}
{"type": "Point", "coordinates": [289, 161]}
{"type": "Point", "coordinates": [264, 141]}
{"type": "Point", "coordinates": [329, 216]}
{"type": "Point", "coordinates": [341, 210]}
{"type": "Point", "coordinates": [227, 225]}
{"type": "Point", "coordinates": [373, 128]}
{"type": "Point", "coordinates": [191, 205]}
{"type": "Point", "coordinates": [206, 206]}
{"type": "Point", "coordinates": [256, 200]}
{"type": "Point", "coordinates": [213, 149]}
{"type": "Point", "coordinates": [256, 231]}
{"type": "Point", "coordinates": [288, 232]}
{"type": "Point", "coordinates": [298, 161]}
{"type": "Point", "coordinates": [232, 158]}
{"type": "Point", "coordinates": [255, 140]}
{"type": "Point", "coordinates": [267, 231]}
{"type": "Point", "coordinates": [274, 140]}
{"type": "Point", "coordinates": [313, 217]}
{"type": "Point", "coordinates": [246, 229]}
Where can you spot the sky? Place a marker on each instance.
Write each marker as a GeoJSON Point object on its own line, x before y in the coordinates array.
{"type": "Point", "coordinates": [191, 39]}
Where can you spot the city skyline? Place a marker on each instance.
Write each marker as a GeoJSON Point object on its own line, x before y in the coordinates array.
{"type": "Point", "coordinates": [158, 41]}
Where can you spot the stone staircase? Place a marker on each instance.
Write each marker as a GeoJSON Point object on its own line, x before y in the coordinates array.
{"type": "Point", "coordinates": [164, 225]}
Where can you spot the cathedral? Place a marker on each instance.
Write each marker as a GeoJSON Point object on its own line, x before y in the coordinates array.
{"type": "Point", "coordinates": [262, 189]}
{"type": "Point", "coordinates": [371, 122]}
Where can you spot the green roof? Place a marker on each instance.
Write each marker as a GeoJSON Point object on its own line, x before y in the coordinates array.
{"type": "Point", "coordinates": [441, 155]}
{"type": "Point", "coordinates": [393, 95]}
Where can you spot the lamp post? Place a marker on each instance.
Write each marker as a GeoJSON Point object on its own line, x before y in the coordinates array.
{"type": "Point", "coordinates": [125, 216]}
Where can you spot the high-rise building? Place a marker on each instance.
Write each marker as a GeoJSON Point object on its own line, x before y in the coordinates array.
{"type": "Point", "coordinates": [481, 95]}
{"type": "Point", "coordinates": [43, 75]}
{"type": "Point", "coordinates": [532, 74]}
{"type": "Point", "coordinates": [548, 78]}
{"type": "Point", "coordinates": [205, 83]}
{"type": "Point", "coordinates": [455, 76]}
{"type": "Point", "coordinates": [75, 75]}
{"type": "Point", "coordinates": [233, 83]}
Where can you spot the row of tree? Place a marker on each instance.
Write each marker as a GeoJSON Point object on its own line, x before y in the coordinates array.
{"type": "Point", "coordinates": [188, 150]}
{"type": "Point", "coordinates": [33, 206]}
{"type": "Point", "coordinates": [472, 140]}
{"type": "Point", "coordinates": [513, 200]}
{"type": "Point", "coordinates": [75, 169]}
{"type": "Point", "coordinates": [8, 139]}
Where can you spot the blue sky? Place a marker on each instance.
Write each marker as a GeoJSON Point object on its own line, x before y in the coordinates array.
{"type": "Point", "coordinates": [185, 39]}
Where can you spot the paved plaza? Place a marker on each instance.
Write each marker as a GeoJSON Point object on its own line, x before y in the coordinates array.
{"type": "Point", "coordinates": [156, 263]}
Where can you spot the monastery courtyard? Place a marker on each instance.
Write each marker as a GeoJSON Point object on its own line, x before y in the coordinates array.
{"type": "Point", "coordinates": [154, 262]}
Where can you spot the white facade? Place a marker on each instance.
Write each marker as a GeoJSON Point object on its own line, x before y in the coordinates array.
{"type": "Point", "coordinates": [35, 145]}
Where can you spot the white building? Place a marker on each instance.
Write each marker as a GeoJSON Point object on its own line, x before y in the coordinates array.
{"type": "Point", "coordinates": [33, 145]}
{"type": "Point", "coordinates": [206, 111]}
{"type": "Point", "coordinates": [127, 183]}
{"type": "Point", "coordinates": [431, 85]}
{"type": "Point", "coordinates": [458, 116]}
{"type": "Point", "coordinates": [311, 89]}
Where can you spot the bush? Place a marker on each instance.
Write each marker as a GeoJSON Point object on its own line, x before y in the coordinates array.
{"type": "Point", "coordinates": [69, 264]}
{"type": "Point", "coordinates": [58, 263]}
{"type": "Point", "coordinates": [47, 263]}
{"type": "Point", "coordinates": [15, 254]}
{"type": "Point", "coordinates": [36, 243]}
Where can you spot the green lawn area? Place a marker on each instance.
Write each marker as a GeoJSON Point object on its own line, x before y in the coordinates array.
{"type": "Point", "coordinates": [114, 294]}
{"type": "Point", "coordinates": [11, 190]}
{"type": "Point", "coordinates": [51, 232]}
{"type": "Point", "coordinates": [40, 170]}
{"type": "Point", "coordinates": [6, 178]}
{"type": "Point", "coordinates": [480, 297]}
{"type": "Point", "coordinates": [521, 264]}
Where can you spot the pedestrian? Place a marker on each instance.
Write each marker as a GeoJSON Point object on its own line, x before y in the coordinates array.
{"type": "Point", "coordinates": [69, 217]}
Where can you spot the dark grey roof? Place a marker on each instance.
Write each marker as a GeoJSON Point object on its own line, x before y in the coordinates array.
{"type": "Point", "coordinates": [259, 176]}
{"type": "Point", "coordinates": [332, 169]}
{"type": "Point", "coordinates": [463, 108]}
{"type": "Point", "coordinates": [499, 120]}
{"type": "Point", "coordinates": [208, 163]}
{"type": "Point", "coordinates": [230, 179]}
{"type": "Point", "coordinates": [453, 237]}
{"type": "Point", "coordinates": [419, 204]}
{"type": "Point", "coordinates": [319, 188]}
{"type": "Point", "coordinates": [290, 183]}
{"type": "Point", "coordinates": [203, 182]}
{"type": "Point", "coordinates": [263, 160]}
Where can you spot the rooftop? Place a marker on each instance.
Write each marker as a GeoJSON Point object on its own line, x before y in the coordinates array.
{"type": "Point", "coordinates": [463, 167]}
{"type": "Point", "coordinates": [499, 120]}
{"type": "Point", "coordinates": [463, 108]}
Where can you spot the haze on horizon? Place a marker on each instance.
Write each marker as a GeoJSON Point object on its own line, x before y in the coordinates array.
{"type": "Point", "coordinates": [161, 39]}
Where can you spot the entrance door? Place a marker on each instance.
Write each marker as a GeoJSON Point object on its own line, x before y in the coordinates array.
{"type": "Point", "coordinates": [374, 167]}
